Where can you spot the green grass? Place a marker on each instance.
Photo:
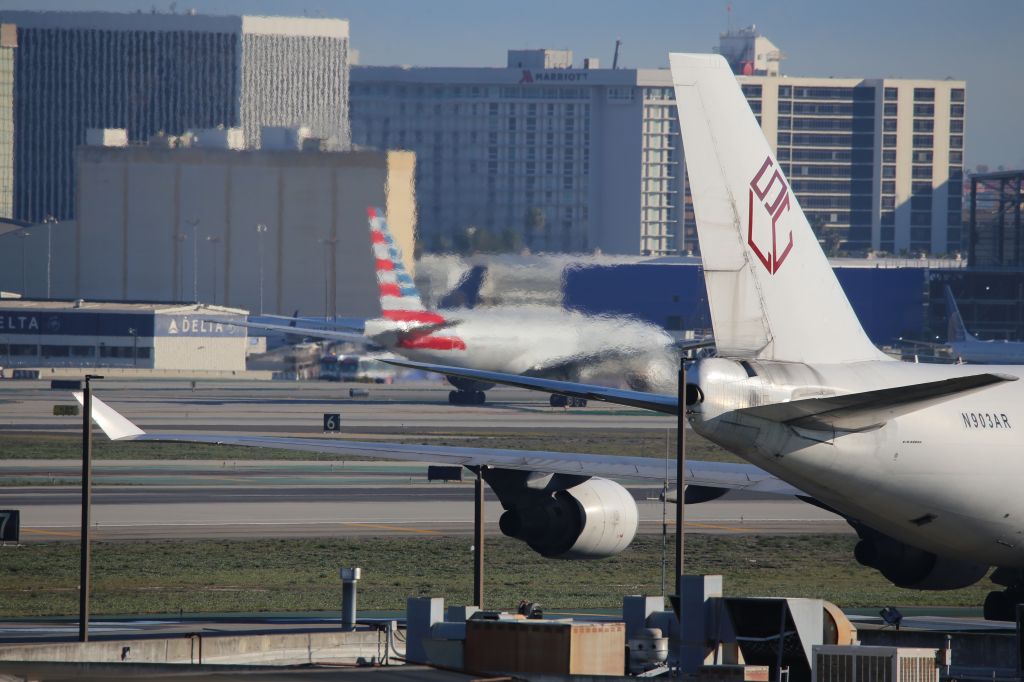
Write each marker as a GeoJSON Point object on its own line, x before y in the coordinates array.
{"type": "Point", "coordinates": [639, 442]}
{"type": "Point", "coordinates": [302, 574]}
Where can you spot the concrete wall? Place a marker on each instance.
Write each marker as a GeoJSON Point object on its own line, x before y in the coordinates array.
{"type": "Point", "coordinates": [180, 224]}
{"type": "Point", "coordinates": [273, 649]}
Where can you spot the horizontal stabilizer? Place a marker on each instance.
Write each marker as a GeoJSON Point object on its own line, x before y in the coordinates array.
{"type": "Point", "coordinates": [655, 402]}
{"type": "Point", "coordinates": [870, 409]}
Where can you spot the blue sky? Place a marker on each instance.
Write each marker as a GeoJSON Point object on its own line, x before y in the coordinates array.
{"type": "Point", "coordinates": [974, 40]}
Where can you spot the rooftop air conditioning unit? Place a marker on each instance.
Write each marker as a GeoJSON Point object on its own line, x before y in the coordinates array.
{"type": "Point", "coordinates": [833, 663]}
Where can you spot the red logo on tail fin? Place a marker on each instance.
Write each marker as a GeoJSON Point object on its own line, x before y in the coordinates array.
{"type": "Point", "coordinates": [774, 196]}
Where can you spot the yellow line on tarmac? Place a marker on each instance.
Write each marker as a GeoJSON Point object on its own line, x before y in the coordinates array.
{"type": "Point", "coordinates": [58, 533]}
{"type": "Point", "coordinates": [717, 527]}
{"type": "Point", "coordinates": [388, 526]}
{"type": "Point", "coordinates": [713, 526]}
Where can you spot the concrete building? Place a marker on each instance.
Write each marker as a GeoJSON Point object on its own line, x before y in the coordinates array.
{"type": "Point", "coordinates": [878, 160]}
{"type": "Point", "coordinates": [272, 231]}
{"type": "Point", "coordinates": [996, 227]}
{"type": "Point", "coordinates": [565, 159]}
{"type": "Point", "coordinates": [148, 73]}
{"type": "Point", "coordinates": [8, 43]}
{"type": "Point", "coordinates": [574, 159]}
{"type": "Point", "coordinates": [77, 334]}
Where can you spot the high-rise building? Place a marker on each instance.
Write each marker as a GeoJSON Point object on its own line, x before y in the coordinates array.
{"type": "Point", "coordinates": [877, 162]}
{"type": "Point", "coordinates": [8, 43]}
{"type": "Point", "coordinates": [150, 73]}
{"type": "Point", "coordinates": [580, 159]}
{"type": "Point", "coordinates": [568, 159]}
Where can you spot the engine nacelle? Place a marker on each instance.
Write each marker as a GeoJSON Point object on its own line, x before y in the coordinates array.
{"type": "Point", "coordinates": [910, 567]}
{"type": "Point", "coordinates": [594, 519]}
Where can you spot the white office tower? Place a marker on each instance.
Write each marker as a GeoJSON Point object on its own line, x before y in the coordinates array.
{"type": "Point", "coordinates": [576, 159]}
{"type": "Point", "coordinates": [152, 73]}
{"type": "Point", "coordinates": [538, 153]}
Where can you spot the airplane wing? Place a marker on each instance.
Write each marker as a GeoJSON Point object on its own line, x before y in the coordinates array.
{"type": "Point", "coordinates": [721, 475]}
{"type": "Point", "coordinates": [849, 412]}
{"type": "Point", "coordinates": [926, 344]}
{"type": "Point", "coordinates": [326, 334]}
{"type": "Point", "coordinates": [870, 409]}
{"type": "Point", "coordinates": [648, 401]}
{"type": "Point", "coordinates": [694, 344]}
{"type": "Point", "coordinates": [351, 324]}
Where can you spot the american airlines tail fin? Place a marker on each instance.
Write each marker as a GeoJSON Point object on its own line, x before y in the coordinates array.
{"type": "Point", "coordinates": [956, 331]}
{"type": "Point", "coordinates": [399, 299]}
{"type": "Point", "coordinates": [771, 291]}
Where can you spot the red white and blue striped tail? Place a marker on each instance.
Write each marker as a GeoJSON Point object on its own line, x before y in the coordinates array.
{"type": "Point", "coordinates": [399, 299]}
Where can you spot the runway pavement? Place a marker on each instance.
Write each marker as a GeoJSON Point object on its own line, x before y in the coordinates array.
{"type": "Point", "coordinates": [188, 499]}
{"type": "Point", "coordinates": [297, 407]}
{"type": "Point", "coordinates": [146, 499]}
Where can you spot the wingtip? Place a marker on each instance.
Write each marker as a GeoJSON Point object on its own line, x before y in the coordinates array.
{"type": "Point", "coordinates": [110, 421]}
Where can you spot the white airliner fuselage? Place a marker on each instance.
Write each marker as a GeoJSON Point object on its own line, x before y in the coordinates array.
{"type": "Point", "coordinates": [944, 478]}
{"type": "Point", "coordinates": [546, 341]}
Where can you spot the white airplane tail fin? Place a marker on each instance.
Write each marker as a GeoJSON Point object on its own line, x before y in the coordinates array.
{"type": "Point", "coordinates": [956, 330]}
{"type": "Point", "coordinates": [771, 291]}
{"type": "Point", "coordinates": [399, 298]}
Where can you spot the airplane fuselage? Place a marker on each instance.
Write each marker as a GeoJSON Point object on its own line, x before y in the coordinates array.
{"type": "Point", "coordinates": [548, 342]}
{"type": "Point", "coordinates": [945, 478]}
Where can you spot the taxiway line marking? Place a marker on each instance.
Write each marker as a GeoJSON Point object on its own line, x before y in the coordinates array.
{"type": "Point", "coordinates": [58, 533]}
{"type": "Point", "coordinates": [388, 526]}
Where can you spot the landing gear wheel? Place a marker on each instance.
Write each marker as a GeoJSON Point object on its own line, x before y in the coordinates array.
{"type": "Point", "coordinates": [479, 397]}
{"type": "Point", "coordinates": [1002, 605]}
{"type": "Point", "coordinates": [577, 402]}
{"type": "Point", "coordinates": [558, 400]}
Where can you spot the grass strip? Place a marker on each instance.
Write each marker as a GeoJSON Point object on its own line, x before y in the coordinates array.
{"type": "Point", "coordinates": [209, 576]}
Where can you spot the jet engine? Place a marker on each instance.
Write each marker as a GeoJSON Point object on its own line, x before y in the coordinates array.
{"type": "Point", "coordinates": [565, 517]}
{"type": "Point", "coordinates": [910, 567]}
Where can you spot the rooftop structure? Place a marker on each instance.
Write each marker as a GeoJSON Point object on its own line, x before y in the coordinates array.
{"type": "Point", "coordinates": [749, 53]}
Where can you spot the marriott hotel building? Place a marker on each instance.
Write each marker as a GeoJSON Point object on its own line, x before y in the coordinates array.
{"type": "Point", "coordinates": [579, 159]}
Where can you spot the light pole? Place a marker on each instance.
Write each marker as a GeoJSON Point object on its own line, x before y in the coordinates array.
{"type": "Point", "coordinates": [260, 231]}
{"type": "Point", "coordinates": [179, 289]}
{"type": "Point", "coordinates": [213, 240]}
{"type": "Point", "coordinates": [23, 235]}
{"type": "Point", "coordinates": [328, 244]}
{"type": "Point", "coordinates": [194, 224]}
{"type": "Point", "coordinates": [135, 345]}
{"type": "Point", "coordinates": [83, 575]}
{"type": "Point", "coordinates": [49, 221]}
